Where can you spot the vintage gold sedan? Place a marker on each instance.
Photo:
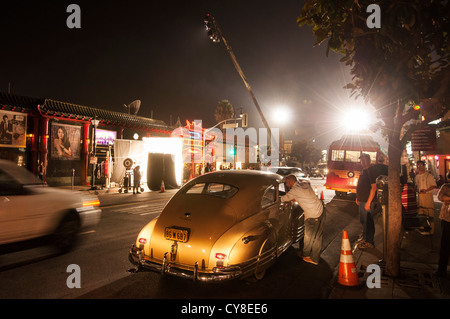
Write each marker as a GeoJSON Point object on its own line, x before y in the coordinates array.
{"type": "Point", "coordinates": [220, 226]}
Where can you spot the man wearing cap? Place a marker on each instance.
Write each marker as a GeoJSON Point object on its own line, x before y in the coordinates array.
{"type": "Point", "coordinates": [314, 211]}
{"type": "Point", "coordinates": [365, 195]}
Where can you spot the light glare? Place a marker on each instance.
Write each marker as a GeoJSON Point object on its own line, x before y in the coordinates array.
{"type": "Point", "coordinates": [356, 120]}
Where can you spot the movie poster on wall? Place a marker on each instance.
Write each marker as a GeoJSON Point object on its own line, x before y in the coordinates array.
{"type": "Point", "coordinates": [65, 141]}
{"type": "Point", "coordinates": [13, 128]}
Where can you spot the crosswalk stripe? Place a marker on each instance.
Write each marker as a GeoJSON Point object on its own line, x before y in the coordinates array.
{"type": "Point", "coordinates": [141, 209]}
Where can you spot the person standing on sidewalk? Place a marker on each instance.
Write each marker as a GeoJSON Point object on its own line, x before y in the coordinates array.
{"type": "Point", "coordinates": [314, 211]}
{"type": "Point", "coordinates": [425, 184]}
{"type": "Point", "coordinates": [365, 195]}
{"type": "Point", "coordinates": [137, 179]}
{"type": "Point", "coordinates": [444, 252]}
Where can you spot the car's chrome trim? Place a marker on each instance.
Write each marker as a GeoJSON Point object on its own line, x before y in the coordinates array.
{"type": "Point", "coordinates": [196, 274]}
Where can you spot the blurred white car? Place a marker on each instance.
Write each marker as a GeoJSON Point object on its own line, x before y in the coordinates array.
{"type": "Point", "coordinates": [286, 170]}
{"type": "Point", "coordinates": [31, 212]}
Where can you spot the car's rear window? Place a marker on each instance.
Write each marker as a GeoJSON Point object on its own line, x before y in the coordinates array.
{"type": "Point", "coordinates": [214, 189]}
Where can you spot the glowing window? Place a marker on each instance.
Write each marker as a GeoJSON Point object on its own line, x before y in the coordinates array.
{"type": "Point", "coordinates": [337, 155]}
{"type": "Point", "coordinates": [352, 156]}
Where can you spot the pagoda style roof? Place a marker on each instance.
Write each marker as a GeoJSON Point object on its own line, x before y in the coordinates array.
{"type": "Point", "coordinates": [70, 111]}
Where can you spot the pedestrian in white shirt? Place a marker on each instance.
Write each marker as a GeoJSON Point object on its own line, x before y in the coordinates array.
{"type": "Point", "coordinates": [314, 211]}
{"type": "Point", "coordinates": [425, 184]}
{"type": "Point", "coordinates": [444, 252]}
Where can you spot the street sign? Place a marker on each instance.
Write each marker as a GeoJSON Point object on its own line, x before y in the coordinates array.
{"type": "Point", "coordinates": [423, 139]}
{"type": "Point", "coordinates": [230, 125]}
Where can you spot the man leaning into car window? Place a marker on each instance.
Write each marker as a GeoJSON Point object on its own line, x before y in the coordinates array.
{"type": "Point", "coordinates": [302, 192]}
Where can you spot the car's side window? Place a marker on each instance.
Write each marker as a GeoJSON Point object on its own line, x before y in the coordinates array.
{"type": "Point", "coordinates": [269, 197]}
{"type": "Point", "coordinates": [8, 186]}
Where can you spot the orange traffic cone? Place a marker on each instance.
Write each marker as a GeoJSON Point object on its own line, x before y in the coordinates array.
{"type": "Point", "coordinates": [316, 191]}
{"type": "Point", "coordinates": [348, 276]}
{"type": "Point", "coordinates": [162, 187]}
{"type": "Point", "coordinates": [321, 195]}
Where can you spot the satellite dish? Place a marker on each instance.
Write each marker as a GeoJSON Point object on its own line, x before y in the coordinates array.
{"type": "Point", "coordinates": [133, 107]}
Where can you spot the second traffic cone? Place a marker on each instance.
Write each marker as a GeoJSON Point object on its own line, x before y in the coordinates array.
{"type": "Point", "coordinates": [348, 276]}
{"type": "Point", "coordinates": [321, 195]}
{"type": "Point", "coordinates": [162, 187]}
{"type": "Point", "coordinates": [316, 191]}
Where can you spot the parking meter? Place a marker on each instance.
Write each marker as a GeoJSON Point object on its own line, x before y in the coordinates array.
{"type": "Point", "coordinates": [382, 190]}
{"type": "Point", "coordinates": [383, 200]}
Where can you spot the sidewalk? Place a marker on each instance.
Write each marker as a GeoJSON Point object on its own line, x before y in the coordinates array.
{"type": "Point", "coordinates": [419, 257]}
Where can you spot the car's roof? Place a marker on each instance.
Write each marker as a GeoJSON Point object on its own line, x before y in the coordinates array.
{"type": "Point", "coordinates": [240, 178]}
{"type": "Point", "coordinates": [284, 167]}
{"type": "Point", "coordinates": [251, 184]}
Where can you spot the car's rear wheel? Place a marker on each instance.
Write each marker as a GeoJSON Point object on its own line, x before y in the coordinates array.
{"type": "Point", "coordinates": [65, 236]}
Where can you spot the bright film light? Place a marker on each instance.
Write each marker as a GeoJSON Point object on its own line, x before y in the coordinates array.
{"type": "Point", "coordinates": [281, 114]}
{"type": "Point", "coordinates": [356, 120]}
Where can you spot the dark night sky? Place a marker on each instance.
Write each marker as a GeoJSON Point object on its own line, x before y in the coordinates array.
{"type": "Point", "coordinates": [159, 52]}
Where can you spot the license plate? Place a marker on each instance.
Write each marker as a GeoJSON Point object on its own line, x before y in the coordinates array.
{"type": "Point", "coordinates": [177, 234]}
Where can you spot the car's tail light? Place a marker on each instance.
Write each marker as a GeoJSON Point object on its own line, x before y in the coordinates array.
{"type": "Point", "coordinates": [94, 202]}
{"type": "Point", "coordinates": [221, 256]}
{"type": "Point", "coordinates": [220, 259]}
{"type": "Point", "coordinates": [142, 241]}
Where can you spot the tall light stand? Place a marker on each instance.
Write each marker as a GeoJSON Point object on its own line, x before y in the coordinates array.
{"type": "Point", "coordinates": [94, 147]}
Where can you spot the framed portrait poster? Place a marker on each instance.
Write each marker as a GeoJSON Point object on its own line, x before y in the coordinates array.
{"type": "Point", "coordinates": [13, 127]}
{"type": "Point", "coordinates": [65, 141]}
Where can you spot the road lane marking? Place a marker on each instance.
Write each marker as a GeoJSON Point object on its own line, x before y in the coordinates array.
{"type": "Point", "coordinates": [87, 232]}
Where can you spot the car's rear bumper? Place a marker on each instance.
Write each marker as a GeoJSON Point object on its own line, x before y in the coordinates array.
{"type": "Point", "coordinates": [194, 272]}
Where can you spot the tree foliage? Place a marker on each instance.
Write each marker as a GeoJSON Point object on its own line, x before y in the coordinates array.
{"type": "Point", "coordinates": [402, 63]}
{"type": "Point", "coordinates": [223, 111]}
{"type": "Point", "coordinates": [305, 152]}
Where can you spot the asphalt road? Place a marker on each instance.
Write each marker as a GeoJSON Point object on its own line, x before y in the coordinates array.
{"type": "Point", "coordinates": [102, 261]}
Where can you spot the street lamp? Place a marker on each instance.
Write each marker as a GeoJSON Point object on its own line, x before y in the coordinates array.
{"type": "Point", "coordinates": [94, 122]}
{"type": "Point", "coordinates": [282, 116]}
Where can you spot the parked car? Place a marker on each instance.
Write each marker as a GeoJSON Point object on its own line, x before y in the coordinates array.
{"type": "Point", "coordinates": [314, 172]}
{"type": "Point", "coordinates": [220, 226]}
{"type": "Point", "coordinates": [31, 213]}
{"type": "Point", "coordinates": [286, 170]}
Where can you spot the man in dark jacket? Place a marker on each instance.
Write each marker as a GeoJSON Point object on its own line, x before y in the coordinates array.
{"type": "Point", "coordinates": [137, 180]}
{"type": "Point", "coordinates": [365, 195]}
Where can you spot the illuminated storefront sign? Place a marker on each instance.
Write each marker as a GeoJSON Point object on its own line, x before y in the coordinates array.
{"type": "Point", "coordinates": [105, 137]}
